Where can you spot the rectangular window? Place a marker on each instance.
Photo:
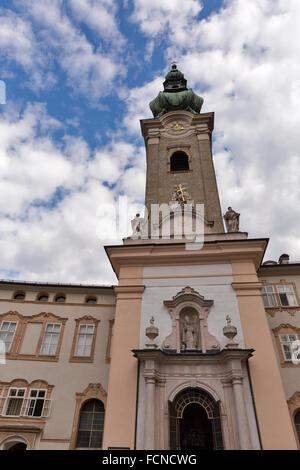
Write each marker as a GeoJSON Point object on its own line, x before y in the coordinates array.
{"type": "Point", "coordinates": [284, 296]}
{"type": "Point", "coordinates": [7, 332]}
{"type": "Point", "coordinates": [36, 402]}
{"type": "Point", "coordinates": [269, 296]}
{"type": "Point", "coordinates": [14, 401]}
{"type": "Point", "coordinates": [286, 344]}
{"type": "Point", "coordinates": [84, 340]}
{"type": "Point", "coordinates": [50, 340]}
{"type": "Point", "coordinates": [287, 295]}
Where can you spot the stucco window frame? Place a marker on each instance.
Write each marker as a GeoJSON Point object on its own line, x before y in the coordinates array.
{"type": "Point", "coordinates": [18, 292]}
{"type": "Point", "coordinates": [22, 418]}
{"type": "Point", "coordinates": [291, 309]}
{"type": "Point", "coordinates": [85, 320]}
{"type": "Point", "coordinates": [14, 316]}
{"type": "Point", "coordinates": [23, 321]}
{"type": "Point", "coordinates": [42, 294]}
{"type": "Point", "coordinates": [15, 330]}
{"type": "Point", "coordinates": [285, 328]}
{"type": "Point", "coordinates": [92, 391]}
{"type": "Point", "coordinates": [56, 296]}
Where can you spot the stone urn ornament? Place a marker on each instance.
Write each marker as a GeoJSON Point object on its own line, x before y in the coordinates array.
{"type": "Point", "coordinates": [230, 332]}
{"type": "Point", "coordinates": [151, 333]}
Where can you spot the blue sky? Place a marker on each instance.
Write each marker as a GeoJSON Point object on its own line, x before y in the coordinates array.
{"type": "Point", "coordinates": [79, 75]}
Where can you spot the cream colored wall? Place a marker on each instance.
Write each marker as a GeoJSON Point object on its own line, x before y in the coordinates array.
{"type": "Point", "coordinates": [66, 377]}
{"type": "Point", "coordinates": [33, 330]}
{"type": "Point", "coordinates": [290, 375]}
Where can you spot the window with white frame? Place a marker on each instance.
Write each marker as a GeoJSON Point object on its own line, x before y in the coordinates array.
{"type": "Point", "coordinates": [50, 339]}
{"type": "Point", "coordinates": [14, 401]}
{"type": "Point", "coordinates": [84, 340]}
{"type": "Point", "coordinates": [7, 332]}
{"type": "Point", "coordinates": [286, 295]}
{"type": "Point", "coordinates": [287, 341]}
{"type": "Point", "coordinates": [36, 402]}
{"type": "Point", "coordinates": [279, 295]}
{"type": "Point", "coordinates": [269, 297]}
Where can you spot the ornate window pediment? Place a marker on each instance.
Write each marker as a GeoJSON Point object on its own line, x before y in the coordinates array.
{"type": "Point", "coordinates": [189, 311]}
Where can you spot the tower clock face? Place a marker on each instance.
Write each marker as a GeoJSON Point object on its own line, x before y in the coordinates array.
{"type": "Point", "coordinates": [177, 127]}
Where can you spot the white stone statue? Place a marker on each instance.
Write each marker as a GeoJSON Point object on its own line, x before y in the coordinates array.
{"type": "Point", "coordinates": [232, 220]}
{"type": "Point", "coordinates": [188, 336]}
{"type": "Point", "coordinates": [138, 226]}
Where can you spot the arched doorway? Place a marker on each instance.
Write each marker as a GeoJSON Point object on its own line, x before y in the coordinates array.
{"type": "Point", "coordinates": [195, 422]}
{"type": "Point", "coordinates": [14, 443]}
{"type": "Point", "coordinates": [18, 446]}
{"type": "Point", "coordinates": [195, 429]}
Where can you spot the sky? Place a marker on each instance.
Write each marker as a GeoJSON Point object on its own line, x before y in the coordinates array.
{"type": "Point", "coordinates": [79, 75]}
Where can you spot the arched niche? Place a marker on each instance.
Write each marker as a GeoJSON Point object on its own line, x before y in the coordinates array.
{"type": "Point", "coordinates": [190, 338]}
{"type": "Point", "coordinates": [189, 311]}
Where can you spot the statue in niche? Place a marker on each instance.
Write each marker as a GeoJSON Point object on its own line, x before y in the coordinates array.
{"type": "Point", "coordinates": [189, 303]}
{"type": "Point", "coordinates": [188, 336]}
{"type": "Point", "coordinates": [189, 330]}
{"type": "Point", "coordinates": [232, 220]}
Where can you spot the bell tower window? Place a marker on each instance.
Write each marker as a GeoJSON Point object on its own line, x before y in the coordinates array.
{"type": "Point", "coordinates": [179, 161]}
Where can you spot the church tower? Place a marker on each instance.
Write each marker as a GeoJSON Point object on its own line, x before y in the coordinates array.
{"type": "Point", "coordinates": [179, 150]}
{"type": "Point", "coordinates": [192, 362]}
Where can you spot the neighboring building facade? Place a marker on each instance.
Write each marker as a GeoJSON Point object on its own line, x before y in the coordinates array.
{"type": "Point", "coordinates": [58, 343]}
{"type": "Point", "coordinates": [195, 346]}
{"type": "Point", "coordinates": [281, 289]}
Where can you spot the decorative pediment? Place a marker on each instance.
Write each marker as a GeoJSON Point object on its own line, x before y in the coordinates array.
{"type": "Point", "coordinates": [295, 399]}
{"type": "Point", "coordinates": [92, 391]}
{"type": "Point", "coordinates": [37, 383]}
{"type": "Point", "coordinates": [47, 316]}
{"type": "Point", "coordinates": [286, 326]}
{"type": "Point", "coordinates": [12, 313]}
{"type": "Point", "coordinates": [87, 318]}
{"type": "Point", "coordinates": [188, 294]}
{"type": "Point", "coordinates": [32, 318]}
{"type": "Point", "coordinates": [189, 311]}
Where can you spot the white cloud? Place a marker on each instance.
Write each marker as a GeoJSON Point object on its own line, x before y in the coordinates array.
{"type": "Point", "coordinates": [100, 16]}
{"type": "Point", "coordinates": [44, 34]}
{"type": "Point", "coordinates": [159, 16]}
{"type": "Point", "coordinates": [52, 196]}
{"type": "Point", "coordinates": [17, 43]}
{"type": "Point", "coordinates": [89, 69]}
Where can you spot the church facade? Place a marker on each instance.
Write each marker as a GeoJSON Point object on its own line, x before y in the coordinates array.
{"type": "Point", "coordinates": [195, 348]}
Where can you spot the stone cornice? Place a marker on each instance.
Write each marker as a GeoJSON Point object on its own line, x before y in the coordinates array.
{"type": "Point", "coordinates": [129, 289]}
{"type": "Point", "coordinates": [246, 285]}
{"type": "Point", "coordinates": [172, 357]}
{"type": "Point", "coordinates": [177, 254]}
{"type": "Point", "coordinates": [203, 122]}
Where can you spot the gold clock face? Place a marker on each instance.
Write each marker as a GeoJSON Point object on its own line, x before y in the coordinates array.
{"type": "Point", "coordinates": [177, 127]}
